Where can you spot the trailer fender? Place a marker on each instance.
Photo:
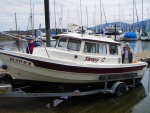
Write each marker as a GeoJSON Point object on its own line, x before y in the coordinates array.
{"type": "Point", "coordinates": [5, 77]}
{"type": "Point", "coordinates": [116, 84]}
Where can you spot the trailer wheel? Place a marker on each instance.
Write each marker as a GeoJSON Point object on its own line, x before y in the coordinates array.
{"type": "Point", "coordinates": [5, 80]}
{"type": "Point", "coordinates": [120, 90]}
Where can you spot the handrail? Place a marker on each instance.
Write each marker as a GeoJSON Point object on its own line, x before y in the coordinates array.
{"type": "Point", "coordinates": [44, 47]}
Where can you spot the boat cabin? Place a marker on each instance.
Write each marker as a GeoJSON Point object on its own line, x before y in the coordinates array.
{"type": "Point", "coordinates": [82, 49]}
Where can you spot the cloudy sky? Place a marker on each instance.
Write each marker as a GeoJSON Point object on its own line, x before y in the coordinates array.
{"type": "Point", "coordinates": [69, 11]}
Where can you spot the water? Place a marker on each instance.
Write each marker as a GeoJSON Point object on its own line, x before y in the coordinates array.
{"type": "Point", "coordinates": [138, 46]}
{"type": "Point", "coordinates": [136, 101]}
{"type": "Point", "coordinates": [143, 106]}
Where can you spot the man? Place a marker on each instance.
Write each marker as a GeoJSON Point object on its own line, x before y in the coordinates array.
{"type": "Point", "coordinates": [127, 54]}
{"type": "Point", "coordinates": [31, 45]}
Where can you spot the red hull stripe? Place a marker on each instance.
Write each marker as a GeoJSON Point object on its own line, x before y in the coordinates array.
{"type": "Point", "coordinates": [76, 69]}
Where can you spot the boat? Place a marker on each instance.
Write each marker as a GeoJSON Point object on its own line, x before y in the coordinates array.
{"type": "Point", "coordinates": [145, 36]}
{"type": "Point", "coordinates": [40, 35]}
{"type": "Point", "coordinates": [110, 33]}
{"type": "Point", "coordinates": [75, 59]}
{"type": "Point", "coordinates": [130, 36]}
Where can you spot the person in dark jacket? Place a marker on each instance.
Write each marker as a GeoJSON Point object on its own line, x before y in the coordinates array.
{"type": "Point", "coordinates": [31, 45]}
{"type": "Point", "coordinates": [127, 54]}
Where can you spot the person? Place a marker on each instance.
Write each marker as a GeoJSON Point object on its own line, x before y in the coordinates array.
{"type": "Point", "coordinates": [31, 45]}
{"type": "Point", "coordinates": [111, 51]}
{"type": "Point", "coordinates": [127, 54]}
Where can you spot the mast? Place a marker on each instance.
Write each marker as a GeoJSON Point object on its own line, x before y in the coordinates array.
{"type": "Point", "coordinates": [81, 12]}
{"type": "Point", "coordinates": [133, 14]}
{"type": "Point", "coordinates": [31, 18]}
{"type": "Point", "coordinates": [61, 17]}
{"type": "Point", "coordinates": [47, 22]}
{"type": "Point", "coordinates": [142, 13]}
{"type": "Point", "coordinates": [68, 17]}
{"type": "Point", "coordinates": [16, 23]}
{"type": "Point", "coordinates": [104, 13]}
{"type": "Point", "coordinates": [95, 19]}
{"type": "Point", "coordinates": [81, 19]}
{"type": "Point", "coordinates": [114, 17]}
{"type": "Point", "coordinates": [77, 14]}
{"type": "Point", "coordinates": [119, 15]}
{"type": "Point", "coordinates": [87, 15]}
{"type": "Point", "coordinates": [123, 19]}
{"type": "Point", "coordinates": [101, 14]}
{"type": "Point", "coordinates": [55, 16]}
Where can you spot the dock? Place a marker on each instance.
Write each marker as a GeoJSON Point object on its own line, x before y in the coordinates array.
{"type": "Point", "coordinates": [143, 56]}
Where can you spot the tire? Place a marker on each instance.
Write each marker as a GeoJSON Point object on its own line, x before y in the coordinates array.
{"type": "Point", "coordinates": [120, 90]}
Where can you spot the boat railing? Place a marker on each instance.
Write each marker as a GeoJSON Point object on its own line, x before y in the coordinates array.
{"type": "Point", "coordinates": [21, 45]}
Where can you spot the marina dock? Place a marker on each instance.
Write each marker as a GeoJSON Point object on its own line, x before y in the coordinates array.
{"type": "Point", "coordinates": [143, 56]}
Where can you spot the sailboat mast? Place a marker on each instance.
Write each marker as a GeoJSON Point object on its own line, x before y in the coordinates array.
{"type": "Point", "coordinates": [95, 19]}
{"type": "Point", "coordinates": [114, 16]}
{"type": "Point", "coordinates": [68, 16]}
{"type": "Point", "coordinates": [61, 17]}
{"type": "Point", "coordinates": [119, 15]}
{"type": "Point", "coordinates": [81, 12]}
{"type": "Point", "coordinates": [31, 18]}
{"type": "Point", "coordinates": [47, 22]}
{"type": "Point", "coordinates": [133, 14]}
{"type": "Point", "coordinates": [77, 14]}
{"type": "Point", "coordinates": [55, 16]}
{"type": "Point", "coordinates": [142, 13]}
{"type": "Point", "coordinates": [101, 14]}
{"type": "Point", "coordinates": [16, 22]}
{"type": "Point", "coordinates": [87, 15]}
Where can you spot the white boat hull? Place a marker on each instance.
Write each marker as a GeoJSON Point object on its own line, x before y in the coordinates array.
{"type": "Point", "coordinates": [25, 69]}
{"type": "Point", "coordinates": [145, 38]}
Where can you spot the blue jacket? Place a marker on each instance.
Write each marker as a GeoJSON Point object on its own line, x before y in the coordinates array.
{"type": "Point", "coordinates": [31, 47]}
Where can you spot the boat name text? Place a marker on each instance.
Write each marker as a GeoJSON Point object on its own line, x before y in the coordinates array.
{"type": "Point", "coordinates": [20, 61]}
{"type": "Point", "coordinates": [94, 60]}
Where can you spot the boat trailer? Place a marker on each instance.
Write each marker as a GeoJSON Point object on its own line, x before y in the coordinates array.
{"type": "Point", "coordinates": [118, 89]}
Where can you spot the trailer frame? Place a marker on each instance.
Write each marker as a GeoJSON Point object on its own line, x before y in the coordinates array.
{"type": "Point", "coordinates": [7, 91]}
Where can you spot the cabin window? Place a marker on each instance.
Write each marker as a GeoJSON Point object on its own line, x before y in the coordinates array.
{"type": "Point", "coordinates": [74, 45]}
{"type": "Point", "coordinates": [90, 47]}
{"type": "Point", "coordinates": [62, 42]}
{"type": "Point", "coordinates": [101, 48]}
{"type": "Point", "coordinates": [113, 49]}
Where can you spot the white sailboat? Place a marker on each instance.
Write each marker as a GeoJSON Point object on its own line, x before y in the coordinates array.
{"type": "Point", "coordinates": [146, 34]}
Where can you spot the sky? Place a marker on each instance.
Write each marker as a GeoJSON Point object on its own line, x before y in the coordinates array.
{"type": "Point", "coordinates": [69, 11]}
